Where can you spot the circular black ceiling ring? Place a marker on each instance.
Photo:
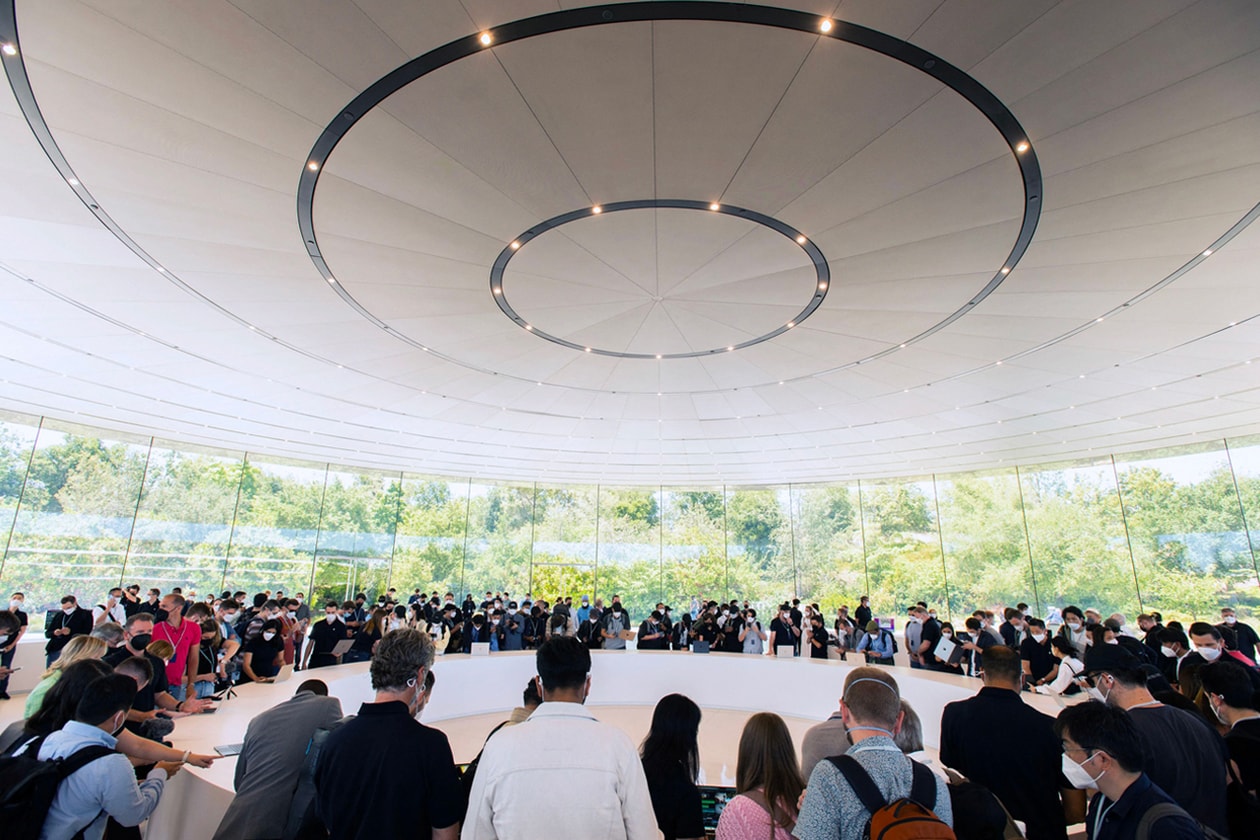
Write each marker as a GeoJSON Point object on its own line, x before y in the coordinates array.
{"type": "Point", "coordinates": [822, 271]}
{"type": "Point", "coordinates": [696, 10]}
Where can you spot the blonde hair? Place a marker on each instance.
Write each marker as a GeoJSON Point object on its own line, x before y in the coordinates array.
{"type": "Point", "coordinates": [161, 648]}
{"type": "Point", "coordinates": [79, 647]}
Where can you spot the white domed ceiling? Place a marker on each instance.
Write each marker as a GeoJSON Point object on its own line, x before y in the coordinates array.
{"type": "Point", "coordinates": [635, 243]}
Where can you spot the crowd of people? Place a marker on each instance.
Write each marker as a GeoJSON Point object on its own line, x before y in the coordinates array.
{"type": "Point", "coordinates": [1169, 733]}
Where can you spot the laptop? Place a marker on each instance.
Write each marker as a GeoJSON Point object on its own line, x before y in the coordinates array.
{"type": "Point", "coordinates": [229, 749]}
{"type": "Point", "coordinates": [712, 802]}
{"type": "Point", "coordinates": [285, 673]}
{"type": "Point", "coordinates": [700, 646]}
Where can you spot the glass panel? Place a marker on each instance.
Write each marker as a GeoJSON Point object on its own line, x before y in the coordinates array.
{"type": "Point", "coordinates": [277, 526]}
{"type": "Point", "coordinates": [1080, 554]}
{"type": "Point", "coordinates": [1244, 458]}
{"type": "Point", "coordinates": [565, 531]}
{"type": "Point", "coordinates": [986, 552]}
{"type": "Point", "coordinates": [903, 550]}
{"type": "Point", "coordinates": [830, 568]}
{"type": "Point", "coordinates": [429, 551]}
{"type": "Point", "coordinates": [630, 549]}
{"type": "Point", "coordinates": [500, 539]}
{"type": "Point", "coordinates": [693, 546]}
{"type": "Point", "coordinates": [1186, 528]}
{"type": "Point", "coordinates": [356, 535]}
{"type": "Point", "coordinates": [185, 520]}
{"type": "Point", "coordinates": [17, 442]}
{"type": "Point", "coordinates": [759, 557]}
{"type": "Point", "coordinates": [71, 532]}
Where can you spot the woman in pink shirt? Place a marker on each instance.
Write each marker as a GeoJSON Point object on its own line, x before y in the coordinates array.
{"type": "Point", "coordinates": [767, 772]}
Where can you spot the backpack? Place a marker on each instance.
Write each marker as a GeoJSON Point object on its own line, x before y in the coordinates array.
{"type": "Point", "coordinates": [1169, 809]}
{"type": "Point", "coordinates": [28, 785]}
{"type": "Point", "coordinates": [886, 635]}
{"type": "Point", "coordinates": [908, 818]}
{"type": "Point", "coordinates": [302, 821]}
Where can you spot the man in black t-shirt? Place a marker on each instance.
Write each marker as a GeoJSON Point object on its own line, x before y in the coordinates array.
{"type": "Point", "coordinates": [651, 636]}
{"type": "Point", "coordinates": [929, 637]}
{"type": "Point", "coordinates": [1238, 636]}
{"type": "Point", "coordinates": [817, 638]}
{"type": "Point", "coordinates": [784, 631]}
{"type": "Point", "coordinates": [1228, 689]}
{"type": "Point", "coordinates": [862, 615]}
{"type": "Point", "coordinates": [324, 637]}
{"type": "Point", "coordinates": [410, 787]}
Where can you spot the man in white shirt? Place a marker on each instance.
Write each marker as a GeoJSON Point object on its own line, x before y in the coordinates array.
{"type": "Point", "coordinates": [112, 610]}
{"type": "Point", "coordinates": [600, 789]}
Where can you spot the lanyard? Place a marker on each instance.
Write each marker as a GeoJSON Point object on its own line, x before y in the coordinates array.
{"type": "Point", "coordinates": [1102, 815]}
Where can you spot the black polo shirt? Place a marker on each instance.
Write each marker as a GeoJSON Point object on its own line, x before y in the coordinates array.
{"type": "Point", "coordinates": [818, 651]}
{"type": "Point", "coordinates": [407, 788]}
{"type": "Point", "coordinates": [1120, 819]}
{"type": "Point", "coordinates": [1037, 655]}
{"type": "Point", "coordinates": [144, 701]}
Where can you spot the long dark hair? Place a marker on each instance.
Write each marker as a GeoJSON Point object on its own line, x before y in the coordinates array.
{"type": "Point", "coordinates": [63, 698]}
{"type": "Point", "coordinates": [767, 760]}
{"type": "Point", "coordinates": [672, 738]}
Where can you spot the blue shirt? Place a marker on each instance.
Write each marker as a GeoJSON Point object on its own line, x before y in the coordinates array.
{"type": "Point", "coordinates": [881, 645]}
{"type": "Point", "coordinates": [105, 788]}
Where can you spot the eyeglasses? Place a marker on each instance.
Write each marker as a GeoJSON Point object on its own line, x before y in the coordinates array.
{"type": "Point", "coordinates": [1070, 748]}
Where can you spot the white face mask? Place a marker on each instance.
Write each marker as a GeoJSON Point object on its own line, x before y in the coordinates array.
{"type": "Point", "coordinates": [1167, 651]}
{"type": "Point", "coordinates": [1230, 619]}
{"type": "Point", "coordinates": [3, 639]}
{"type": "Point", "coordinates": [1078, 775]}
{"type": "Point", "coordinates": [69, 610]}
{"type": "Point", "coordinates": [332, 616]}
{"type": "Point", "coordinates": [1039, 637]}
{"type": "Point", "coordinates": [269, 635]}
{"type": "Point", "coordinates": [947, 633]}
{"type": "Point", "coordinates": [1074, 627]}
{"type": "Point", "coordinates": [229, 616]}
{"type": "Point", "coordinates": [1210, 654]}
{"type": "Point", "coordinates": [15, 605]}
{"type": "Point", "coordinates": [292, 615]}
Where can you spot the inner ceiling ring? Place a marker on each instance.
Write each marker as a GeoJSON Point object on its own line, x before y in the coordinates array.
{"type": "Point", "coordinates": [947, 74]}
{"type": "Point", "coordinates": [822, 272]}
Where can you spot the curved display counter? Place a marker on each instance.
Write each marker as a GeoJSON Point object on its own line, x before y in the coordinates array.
{"type": "Point", "coordinates": [468, 686]}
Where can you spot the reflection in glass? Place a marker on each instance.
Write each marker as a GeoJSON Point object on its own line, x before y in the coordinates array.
{"type": "Point", "coordinates": [759, 558]}
{"type": "Point", "coordinates": [356, 535]}
{"type": "Point", "coordinates": [903, 546]}
{"type": "Point", "coordinates": [693, 545]}
{"type": "Point", "coordinates": [1079, 549]}
{"type": "Point", "coordinates": [277, 526]}
{"type": "Point", "coordinates": [629, 559]}
{"type": "Point", "coordinates": [830, 566]}
{"type": "Point", "coordinates": [986, 552]}
{"type": "Point", "coordinates": [429, 550]}
{"type": "Point", "coordinates": [17, 443]}
{"type": "Point", "coordinates": [500, 538]}
{"type": "Point", "coordinates": [78, 507]}
{"type": "Point", "coordinates": [184, 523]}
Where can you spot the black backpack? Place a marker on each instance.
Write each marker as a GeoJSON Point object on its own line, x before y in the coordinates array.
{"type": "Point", "coordinates": [29, 785]}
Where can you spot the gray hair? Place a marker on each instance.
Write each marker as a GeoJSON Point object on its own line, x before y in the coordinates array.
{"type": "Point", "coordinates": [910, 738]}
{"type": "Point", "coordinates": [399, 657]}
{"type": "Point", "coordinates": [111, 633]}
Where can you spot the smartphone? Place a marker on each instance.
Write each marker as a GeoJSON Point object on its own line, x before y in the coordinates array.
{"type": "Point", "coordinates": [209, 710]}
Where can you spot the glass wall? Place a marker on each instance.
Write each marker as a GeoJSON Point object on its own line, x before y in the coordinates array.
{"type": "Point", "coordinates": [82, 510]}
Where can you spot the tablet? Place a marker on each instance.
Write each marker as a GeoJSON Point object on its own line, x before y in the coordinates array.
{"type": "Point", "coordinates": [229, 749]}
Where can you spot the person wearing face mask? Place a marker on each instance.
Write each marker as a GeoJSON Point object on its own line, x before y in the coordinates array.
{"type": "Point", "coordinates": [913, 636]}
{"type": "Point", "coordinates": [11, 632]}
{"type": "Point", "coordinates": [871, 711]}
{"type": "Point", "coordinates": [1073, 630]}
{"type": "Point", "coordinates": [615, 623]}
{"type": "Point", "coordinates": [1239, 636]}
{"type": "Point", "coordinates": [212, 657]}
{"type": "Point", "coordinates": [877, 645]}
{"type": "Point", "coordinates": [1182, 753]}
{"type": "Point", "coordinates": [942, 665]}
{"type": "Point", "coordinates": [1102, 750]}
{"type": "Point", "coordinates": [359, 800]}
{"type": "Point", "coordinates": [324, 637]}
{"type": "Point", "coordinates": [104, 783]}
{"type": "Point", "coordinates": [69, 622]}
{"type": "Point", "coordinates": [784, 633]}
{"type": "Point", "coordinates": [1069, 668]}
{"type": "Point", "coordinates": [263, 655]}
{"type": "Point", "coordinates": [998, 722]}
{"type": "Point", "coordinates": [1229, 692]}
{"type": "Point", "coordinates": [818, 637]}
{"type": "Point", "coordinates": [1013, 629]}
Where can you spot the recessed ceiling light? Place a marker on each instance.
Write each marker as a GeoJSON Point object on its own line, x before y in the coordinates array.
{"type": "Point", "coordinates": [791, 324]}
{"type": "Point", "coordinates": [902, 345]}
{"type": "Point", "coordinates": [587, 349]}
{"type": "Point", "coordinates": [730, 348]}
{"type": "Point", "coordinates": [161, 270]}
{"type": "Point", "coordinates": [1098, 320]}
{"type": "Point", "coordinates": [1208, 252]}
{"type": "Point", "coordinates": [529, 327]}
{"type": "Point", "coordinates": [313, 166]}
{"type": "Point", "coordinates": [1006, 269]}
{"type": "Point", "coordinates": [1021, 148]}
{"type": "Point", "coordinates": [332, 280]}
{"type": "Point", "coordinates": [515, 244]}
{"type": "Point", "coordinates": [497, 290]}
{"type": "Point", "coordinates": [597, 209]}
{"type": "Point", "coordinates": [714, 206]}
{"type": "Point", "coordinates": [9, 49]}
{"type": "Point", "coordinates": [825, 25]}
{"type": "Point", "coordinates": [822, 285]}
{"type": "Point", "coordinates": [486, 39]}
{"type": "Point", "coordinates": [800, 240]}
{"type": "Point", "coordinates": [998, 362]}
{"type": "Point", "coordinates": [74, 182]}
{"type": "Point", "coordinates": [658, 355]}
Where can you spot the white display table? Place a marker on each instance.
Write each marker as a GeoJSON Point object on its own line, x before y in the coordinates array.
{"type": "Point", "coordinates": [196, 799]}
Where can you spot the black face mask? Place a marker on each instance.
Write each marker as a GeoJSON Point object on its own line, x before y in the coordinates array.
{"type": "Point", "coordinates": [141, 642]}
